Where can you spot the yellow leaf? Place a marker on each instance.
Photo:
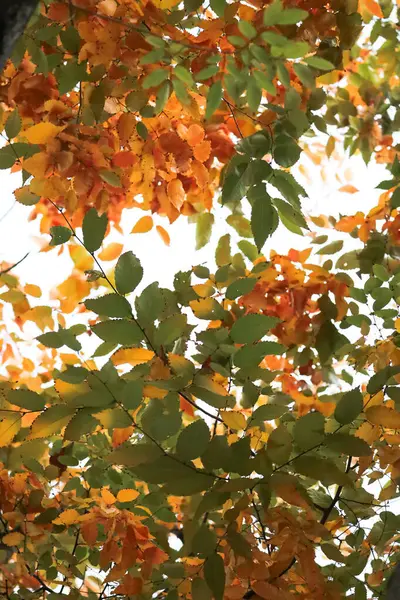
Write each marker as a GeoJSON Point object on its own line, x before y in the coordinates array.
{"type": "Point", "coordinates": [33, 290]}
{"type": "Point", "coordinates": [107, 496]}
{"type": "Point", "coordinates": [165, 4]}
{"type": "Point", "coordinates": [12, 539]}
{"type": "Point", "coordinates": [234, 420]}
{"type": "Point", "coordinates": [111, 252]}
{"type": "Point", "coordinates": [127, 495]}
{"type": "Point", "coordinates": [397, 325]}
{"type": "Point", "coordinates": [42, 133]}
{"type": "Point", "coordinates": [144, 225]}
{"type": "Point", "coordinates": [10, 424]}
{"type": "Point", "coordinates": [68, 517]}
{"type": "Point", "coordinates": [131, 356]}
{"type": "Point", "coordinates": [384, 416]}
{"type": "Point", "coordinates": [37, 164]}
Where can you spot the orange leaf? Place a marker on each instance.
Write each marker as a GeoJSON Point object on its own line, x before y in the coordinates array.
{"type": "Point", "coordinates": [144, 225]}
{"type": "Point", "coordinates": [121, 435]}
{"type": "Point", "coordinates": [349, 189]}
{"type": "Point", "coordinates": [163, 234]}
{"type": "Point", "coordinates": [127, 495]}
{"type": "Point", "coordinates": [89, 532]}
{"type": "Point", "coordinates": [372, 7]}
{"type": "Point", "coordinates": [111, 252]}
{"type": "Point", "coordinates": [42, 133]}
{"type": "Point", "coordinates": [202, 151]}
{"type": "Point", "coordinates": [195, 135]}
{"type": "Point", "coordinates": [37, 164]}
{"type": "Point", "coordinates": [33, 290]}
{"type": "Point", "coordinates": [176, 193]}
{"type": "Point", "coordinates": [67, 517]}
{"type": "Point", "coordinates": [12, 539]}
{"type": "Point", "coordinates": [124, 159]}
{"type": "Point", "coordinates": [107, 496]}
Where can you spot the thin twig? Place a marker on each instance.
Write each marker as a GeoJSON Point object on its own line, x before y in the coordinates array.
{"type": "Point", "coordinates": [4, 271]}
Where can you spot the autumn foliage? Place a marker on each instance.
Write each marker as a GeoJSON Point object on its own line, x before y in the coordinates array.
{"type": "Point", "coordinates": [238, 435]}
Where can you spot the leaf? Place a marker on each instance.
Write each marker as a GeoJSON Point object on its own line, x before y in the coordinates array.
{"type": "Point", "coordinates": [204, 223]}
{"type": "Point", "coordinates": [317, 62]}
{"type": "Point", "coordinates": [171, 329]}
{"type": "Point", "coordinates": [42, 133]}
{"type": "Point", "coordinates": [110, 177]}
{"type": "Point", "coordinates": [27, 399]}
{"type": "Point", "coordinates": [349, 407]}
{"type": "Point", "coordinates": [252, 355]}
{"type": "Point", "coordinates": [154, 78]}
{"type": "Point", "coordinates": [51, 421]}
{"type": "Point", "coordinates": [10, 424]}
{"type": "Point", "coordinates": [214, 574]}
{"type": "Point", "coordinates": [51, 339]}
{"type": "Point", "coordinates": [144, 225]}
{"type": "Point", "coordinates": [344, 443]}
{"type": "Point", "coordinates": [133, 455]}
{"type": "Point", "coordinates": [309, 430]}
{"type": "Point", "coordinates": [381, 378]}
{"type": "Point", "coordinates": [81, 424]}
{"type": "Point", "coordinates": [251, 328]}
{"type": "Point", "coordinates": [214, 98]}
{"type": "Point", "coordinates": [383, 416]}
{"type": "Point", "coordinates": [111, 305]}
{"type": "Point", "coordinates": [128, 273]}
{"type": "Point", "coordinates": [193, 440]}
{"type": "Point", "coordinates": [200, 590]}
{"type": "Point", "coordinates": [13, 124]}
{"type": "Point", "coordinates": [119, 331]}
{"type": "Point", "coordinates": [24, 196]}
{"type": "Point", "coordinates": [94, 228]}
{"type": "Point", "coordinates": [279, 445]}
{"type": "Point", "coordinates": [59, 235]}
{"type": "Point", "coordinates": [268, 412]}
{"type": "Point", "coordinates": [127, 495]}
{"type": "Point", "coordinates": [233, 419]}
{"type": "Point", "coordinates": [286, 152]}
{"type": "Point", "coordinates": [240, 287]}
{"type": "Point", "coordinates": [263, 219]}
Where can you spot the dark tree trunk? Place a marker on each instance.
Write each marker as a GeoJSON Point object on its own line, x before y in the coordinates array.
{"type": "Point", "coordinates": [14, 15]}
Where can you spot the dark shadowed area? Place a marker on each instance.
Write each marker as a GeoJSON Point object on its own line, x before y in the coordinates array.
{"type": "Point", "coordinates": [14, 16]}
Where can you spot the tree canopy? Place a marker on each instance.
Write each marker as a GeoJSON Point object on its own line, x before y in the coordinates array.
{"type": "Point", "coordinates": [236, 435]}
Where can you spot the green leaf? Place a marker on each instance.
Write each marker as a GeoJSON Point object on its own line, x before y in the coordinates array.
{"type": "Point", "coordinates": [279, 445]}
{"type": "Point", "coordinates": [163, 93]}
{"type": "Point", "coordinates": [309, 430]}
{"type": "Point", "coordinates": [142, 130]}
{"type": "Point", "coordinates": [184, 75]}
{"type": "Point", "coordinates": [321, 469]}
{"type": "Point", "coordinates": [94, 228]}
{"type": "Point", "coordinates": [214, 98]}
{"type": "Point", "coordinates": [133, 455]}
{"type": "Point", "coordinates": [381, 378]}
{"type": "Point", "coordinates": [291, 16]}
{"type": "Point", "coordinates": [214, 574]}
{"type": "Point", "coordinates": [305, 74]}
{"type": "Point", "coordinates": [111, 305]}
{"type": "Point", "coordinates": [128, 273]}
{"type": "Point", "coordinates": [136, 100]}
{"type": "Point", "coordinates": [240, 224]}
{"type": "Point", "coordinates": [286, 152]}
{"type": "Point", "coordinates": [59, 235]}
{"type": "Point", "coordinates": [204, 223]}
{"type": "Point", "coordinates": [204, 541]}
{"type": "Point", "coordinates": [119, 331]}
{"type": "Point", "coordinates": [240, 287]}
{"type": "Point", "coordinates": [111, 178]}
{"type": "Point", "coordinates": [193, 440]}
{"type": "Point", "coordinates": [268, 412]}
{"type": "Point", "coordinates": [26, 399]}
{"type": "Point", "coordinates": [317, 62]}
{"type": "Point", "coordinates": [344, 443]}
{"type": "Point", "coordinates": [256, 145]}
{"type": "Point", "coordinates": [24, 196]}
{"type": "Point", "coordinates": [272, 13]}
{"type": "Point", "coordinates": [171, 329]}
{"type": "Point", "coordinates": [218, 6]}
{"type": "Point", "coordinates": [51, 339]}
{"type": "Point", "coordinates": [51, 421]}
{"type": "Point", "coordinates": [200, 590]}
{"type": "Point", "coordinates": [223, 251]}
{"type": "Point", "coordinates": [132, 395]}
{"type": "Point", "coordinates": [7, 157]}
{"type": "Point", "coordinates": [252, 355]}
{"type": "Point", "coordinates": [154, 78]}
{"type": "Point", "coordinates": [263, 219]}
{"type": "Point", "coordinates": [81, 424]}
{"type": "Point", "coordinates": [70, 39]}
{"type": "Point", "coordinates": [349, 406]}
{"type": "Point", "coordinates": [251, 328]}
{"type": "Point", "coordinates": [13, 124]}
